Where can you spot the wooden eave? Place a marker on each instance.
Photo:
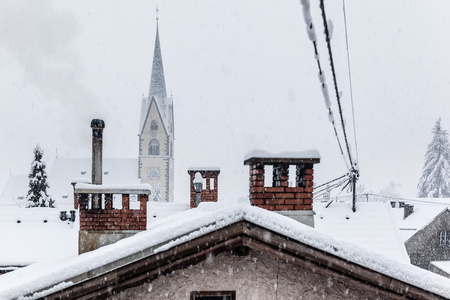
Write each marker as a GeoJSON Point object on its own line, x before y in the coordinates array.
{"type": "Point", "coordinates": [247, 234]}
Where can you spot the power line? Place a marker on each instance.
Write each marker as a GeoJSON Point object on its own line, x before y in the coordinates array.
{"type": "Point", "coordinates": [312, 36]}
{"type": "Point", "coordinates": [318, 186]}
{"type": "Point", "coordinates": [350, 81]}
{"type": "Point", "coordinates": [354, 173]}
{"type": "Point", "coordinates": [333, 71]}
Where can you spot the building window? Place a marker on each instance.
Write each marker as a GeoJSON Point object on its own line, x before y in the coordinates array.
{"type": "Point", "coordinates": [153, 147]}
{"type": "Point", "coordinates": [213, 295]}
{"type": "Point", "coordinates": [154, 125]}
{"type": "Point", "coordinates": [444, 238]}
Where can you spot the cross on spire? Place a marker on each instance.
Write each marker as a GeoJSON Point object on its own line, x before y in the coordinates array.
{"type": "Point", "coordinates": [157, 14]}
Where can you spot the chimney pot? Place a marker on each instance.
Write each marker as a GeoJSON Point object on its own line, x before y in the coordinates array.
{"type": "Point", "coordinates": [97, 126]}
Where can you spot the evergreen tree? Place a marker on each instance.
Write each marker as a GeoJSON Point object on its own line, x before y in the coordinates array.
{"type": "Point", "coordinates": [37, 195]}
{"type": "Point", "coordinates": [435, 180]}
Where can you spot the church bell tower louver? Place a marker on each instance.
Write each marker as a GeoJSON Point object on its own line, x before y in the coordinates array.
{"type": "Point", "coordinates": [156, 133]}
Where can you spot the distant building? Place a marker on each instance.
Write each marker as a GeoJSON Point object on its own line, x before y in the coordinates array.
{"type": "Point", "coordinates": [431, 243]}
{"type": "Point", "coordinates": [156, 134]}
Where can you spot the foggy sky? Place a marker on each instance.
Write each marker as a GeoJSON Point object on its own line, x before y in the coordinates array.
{"type": "Point", "coordinates": [242, 75]}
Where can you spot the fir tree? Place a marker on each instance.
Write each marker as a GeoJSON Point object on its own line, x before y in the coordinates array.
{"type": "Point", "coordinates": [37, 195]}
{"type": "Point", "coordinates": [435, 180]}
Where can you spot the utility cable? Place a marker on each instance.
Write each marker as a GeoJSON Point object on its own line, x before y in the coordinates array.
{"type": "Point", "coordinates": [350, 81]}
{"type": "Point", "coordinates": [312, 36]}
{"type": "Point", "coordinates": [333, 71]}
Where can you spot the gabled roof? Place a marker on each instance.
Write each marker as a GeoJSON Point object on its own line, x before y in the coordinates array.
{"type": "Point", "coordinates": [17, 186]}
{"type": "Point", "coordinates": [425, 211]}
{"type": "Point", "coordinates": [430, 221]}
{"type": "Point", "coordinates": [190, 236]}
{"type": "Point", "coordinates": [163, 111]}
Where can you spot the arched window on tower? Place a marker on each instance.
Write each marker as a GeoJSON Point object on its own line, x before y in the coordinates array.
{"type": "Point", "coordinates": [153, 147]}
{"type": "Point", "coordinates": [154, 125]}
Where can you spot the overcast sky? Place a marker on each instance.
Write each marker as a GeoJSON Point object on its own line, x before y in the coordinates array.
{"type": "Point", "coordinates": [242, 75]}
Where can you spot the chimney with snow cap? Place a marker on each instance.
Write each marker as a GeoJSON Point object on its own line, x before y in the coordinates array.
{"type": "Point", "coordinates": [295, 202]}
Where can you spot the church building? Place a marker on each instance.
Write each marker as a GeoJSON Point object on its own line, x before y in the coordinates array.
{"type": "Point", "coordinates": [156, 134]}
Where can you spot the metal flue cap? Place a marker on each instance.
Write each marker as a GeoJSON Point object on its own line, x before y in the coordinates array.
{"type": "Point", "coordinates": [97, 123]}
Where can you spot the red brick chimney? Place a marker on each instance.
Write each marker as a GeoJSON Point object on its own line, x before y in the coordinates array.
{"type": "Point", "coordinates": [100, 222]}
{"type": "Point", "coordinates": [295, 202]}
{"type": "Point", "coordinates": [210, 186]}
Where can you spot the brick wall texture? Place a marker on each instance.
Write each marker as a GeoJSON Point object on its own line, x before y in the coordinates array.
{"type": "Point", "coordinates": [109, 218]}
{"type": "Point", "coordinates": [280, 196]}
{"type": "Point", "coordinates": [208, 194]}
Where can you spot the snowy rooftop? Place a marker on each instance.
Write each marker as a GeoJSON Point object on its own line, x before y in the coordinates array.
{"type": "Point", "coordinates": [372, 226]}
{"type": "Point", "coordinates": [179, 228]}
{"type": "Point", "coordinates": [425, 210]}
{"type": "Point", "coordinates": [30, 235]}
{"type": "Point", "coordinates": [35, 240]}
{"type": "Point", "coordinates": [65, 171]}
{"type": "Point", "coordinates": [443, 265]}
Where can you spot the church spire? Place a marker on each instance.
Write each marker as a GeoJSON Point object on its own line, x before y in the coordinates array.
{"type": "Point", "coordinates": [157, 82]}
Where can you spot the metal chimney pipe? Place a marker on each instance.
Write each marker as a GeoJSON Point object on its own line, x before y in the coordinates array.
{"type": "Point", "coordinates": [97, 126]}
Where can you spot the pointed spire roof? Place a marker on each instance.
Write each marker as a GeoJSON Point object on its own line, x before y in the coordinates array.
{"type": "Point", "coordinates": [157, 81]}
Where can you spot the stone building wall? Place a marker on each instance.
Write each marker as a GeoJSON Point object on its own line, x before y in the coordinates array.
{"type": "Point", "coordinates": [256, 276]}
{"type": "Point", "coordinates": [423, 247]}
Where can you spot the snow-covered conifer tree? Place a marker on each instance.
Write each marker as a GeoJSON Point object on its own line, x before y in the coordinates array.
{"type": "Point", "coordinates": [435, 180]}
{"type": "Point", "coordinates": [37, 195]}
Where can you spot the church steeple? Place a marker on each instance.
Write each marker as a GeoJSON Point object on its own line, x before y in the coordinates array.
{"type": "Point", "coordinates": [157, 81]}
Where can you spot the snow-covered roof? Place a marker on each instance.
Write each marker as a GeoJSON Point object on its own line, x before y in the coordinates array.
{"type": "Point", "coordinates": [442, 265]}
{"type": "Point", "coordinates": [32, 240]}
{"type": "Point", "coordinates": [372, 226]}
{"type": "Point", "coordinates": [29, 235]}
{"type": "Point", "coordinates": [67, 170]}
{"type": "Point", "coordinates": [15, 191]}
{"type": "Point", "coordinates": [209, 217]}
{"type": "Point", "coordinates": [425, 211]}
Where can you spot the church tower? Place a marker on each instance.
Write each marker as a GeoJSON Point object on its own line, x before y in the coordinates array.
{"type": "Point", "coordinates": [156, 134]}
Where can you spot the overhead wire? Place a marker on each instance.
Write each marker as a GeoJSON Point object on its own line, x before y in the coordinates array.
{"type": "Point", "coordinates": [350, 80]}
{"type": "Point", "coordinates": [353, 168]}
{"type": "Point", "coordinates": [326, 183]}
{"type": "Point", "coordinates": [312, 36]}
{"type": "Point", "coordinates": [333, 71]}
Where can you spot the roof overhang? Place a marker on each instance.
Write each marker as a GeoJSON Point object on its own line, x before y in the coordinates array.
{"type": "Point", "coordinates": [134, 271]}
